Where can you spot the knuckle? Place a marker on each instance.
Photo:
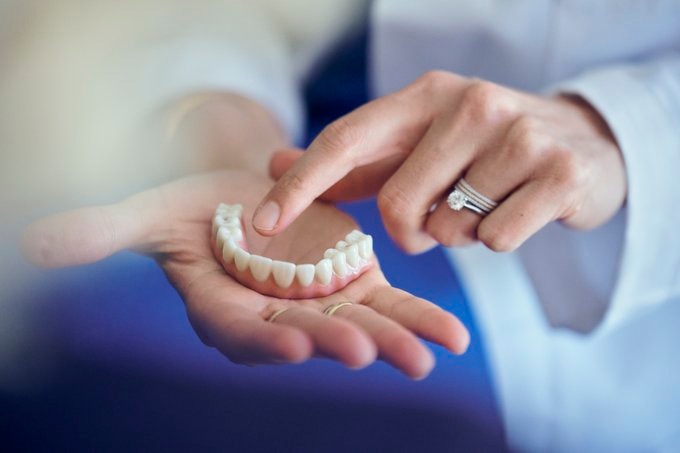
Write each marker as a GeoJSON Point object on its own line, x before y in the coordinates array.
{"type": "Point", "coordinates": [435, 81]}
{"type": "Point", "coordinates": [496, 240]}
{"type": "Point", "coordinates": [569, 172]}
{"type": "Point", "coordinates": [526, 139]}
{"type": "Point", "coordinates": [450, 235]}
{"type": "Point", "coordinates": [340, 136]}
{"type": "Point", "coordinates": [487, 102]}
{"type": "Point", "coordinates": [393, 204]}
{"type": "Point", "coordinates": [292, 183]}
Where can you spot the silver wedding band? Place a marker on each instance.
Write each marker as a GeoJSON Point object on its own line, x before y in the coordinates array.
{"type": "Point", "coordinates": [465, 196]}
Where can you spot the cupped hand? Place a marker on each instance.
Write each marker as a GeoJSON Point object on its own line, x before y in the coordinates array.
{"type": "Point", "coordinates": [172, 223]}
{"type": "Point", "coordinates": [541, 158]}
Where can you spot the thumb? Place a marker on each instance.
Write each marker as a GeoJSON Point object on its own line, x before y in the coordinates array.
{"type": "Point", "coordinates": [282, 160]}
{"type": "Point", "coordinates": [87, 235]}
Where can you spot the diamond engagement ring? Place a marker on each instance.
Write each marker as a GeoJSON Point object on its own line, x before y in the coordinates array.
{"type": "Point", "coordinates": [465, 196]}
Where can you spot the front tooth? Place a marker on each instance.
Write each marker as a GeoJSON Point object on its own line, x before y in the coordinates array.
{"type": "Point", "coordinates": [284, 273]}
{"type": "Point", "coordinates": [352, 253]}
{"type": "Point", "coordinates": [354, 237]}
{"type": "Point", "coordinates": [341, 245]}
{"type": "Point", "coordinates": [260, 267]}
{"type": "Point", "coordinates": [228, 250]}
{"type": "Point", "coordinates": [330, 253]}
{"type": "Point", "coordinates": [305, 274]}
{"type": "Point", "coordinates": [324, 271]}
{"type": "Point", "coordinates": [340, 264]}
{"type": "Point", "coordinates": [366, 247]}
{"type": "Point", "coordinates": [241, 258]}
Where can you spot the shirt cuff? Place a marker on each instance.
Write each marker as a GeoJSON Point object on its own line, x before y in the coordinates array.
{"type": "Point", "coordinates": [641, 105]}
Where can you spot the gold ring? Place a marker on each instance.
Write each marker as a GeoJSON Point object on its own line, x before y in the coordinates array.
{"type": "Point", "coordinates": [331, 309]}
{"type": "Point", "coordinates": [278, 313]}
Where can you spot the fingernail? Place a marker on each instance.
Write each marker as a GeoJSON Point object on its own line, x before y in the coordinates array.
{"type": "Point", "coordinates": [267, 216]}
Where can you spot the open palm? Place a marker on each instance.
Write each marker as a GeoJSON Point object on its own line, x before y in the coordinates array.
{"type": "Point", "coordinates": [172, 224]}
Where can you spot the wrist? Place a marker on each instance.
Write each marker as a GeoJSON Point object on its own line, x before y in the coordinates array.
{"type": "Point", "coordinates": [218, 130]}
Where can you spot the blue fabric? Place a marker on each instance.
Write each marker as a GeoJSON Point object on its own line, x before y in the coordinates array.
{"type": "Point", "coordinates": [133, 375]}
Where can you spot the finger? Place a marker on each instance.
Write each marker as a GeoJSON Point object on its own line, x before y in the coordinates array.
{"type": "Point", "coordinates": [335, 338]}
{"type": "Point", "coordinates": [421, 317]}
{"type": "Point", "coordinates": [438, 160]}
{"type": "Point", "coordinates": [282, 160]}
{"type": "Point", "coordinates": [495, 173]}
{"type": "Point", "coordinates": [360, 183]}
{"type": "Point", "coordinates": [396, 345]}
{"type": "Point", "coordinates": [90, 234]}
{"type": "Point", "coordinates": [226, 316]}
{"type": "Point", "coordinates": [526, 211]}
{"type": "Point", "coordinates": [379, 129]}
{"type": "Point", "coordinates": [244, 337]}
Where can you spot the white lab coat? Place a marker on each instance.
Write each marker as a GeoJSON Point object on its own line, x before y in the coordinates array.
{"type": "Point", "coordinates": [581, 328]}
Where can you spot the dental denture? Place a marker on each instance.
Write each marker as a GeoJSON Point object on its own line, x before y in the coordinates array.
{"type": "Point", "coordinates": [339, 265]}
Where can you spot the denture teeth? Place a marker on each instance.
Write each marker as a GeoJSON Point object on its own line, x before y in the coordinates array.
{"type": "Point", "coordinates": [241, 258]}
{"type": "Point", "coordinates": [235, 233]}
{"type": "Point", "coordinates": [222, 235]}
{"type": "Point", "coordinates": [260, 267]}
{"type": "Point", "coordinates": [340, 264]}
{"type": "Point", "coordinates": [354, 237]}
{"type": "Point", "coordinates": [228, 250]}
{"type": "Point", "coordinates": [217, 222]}
{"type": "Point", "coordinates": [345, 257]}
{"type": "Point", "coordinates": [352, 253]}
{"type": "Point", "coordinates": [305, 274]}
{"type": "Point", "coordinates": [324, 271]}
{"type": "Point", "coordinates": [366, 247]}
{"type": "Point", "coordinates": [229, 210]}
{"type": "Point", "coordinates": [232, 222]}
{"type": "Point", "coordinates": [284, 273]}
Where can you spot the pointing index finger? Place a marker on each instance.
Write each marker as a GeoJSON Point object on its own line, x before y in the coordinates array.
{"type": "Point", "coordinates": [374, 131]}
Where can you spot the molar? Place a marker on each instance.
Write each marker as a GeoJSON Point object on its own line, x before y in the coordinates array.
{"type": "Point", "coordinates": [354, 237]}
{"type": "Point", "coordinates": [324, 271]}
{"type": "Point", "coordinates": [217, 222]}
{"type": "Point", "coordinates": [305, 274]}
{"type": "Point", "coordinates": [260, 267]}
{"type": "Point", "coordinates": [232, 222]}
{"type": "Point", "coordinates": [229, 210]}
{"type": "Point", "coordinates": [222, 235]}
{"type": "Point", "coordinates": [284, 273]}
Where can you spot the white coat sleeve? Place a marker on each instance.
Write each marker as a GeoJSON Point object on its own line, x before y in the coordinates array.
{"type": "Point", "coordinates": [641, 104]}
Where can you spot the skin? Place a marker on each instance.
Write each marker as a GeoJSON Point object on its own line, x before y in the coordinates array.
{"type": "Point", "coordinates": [543, 158]}
{"type": "Point", "coordinates": [172, 224]}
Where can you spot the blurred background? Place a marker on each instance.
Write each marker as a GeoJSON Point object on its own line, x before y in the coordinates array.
{"type": "Point", "coordinates": [102, 357]}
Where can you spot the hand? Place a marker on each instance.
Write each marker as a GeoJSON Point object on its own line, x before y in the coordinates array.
{"type": "Point", "coordinates": [172, 223]}
{"type": "Point", "coordinates": [542, 158]}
